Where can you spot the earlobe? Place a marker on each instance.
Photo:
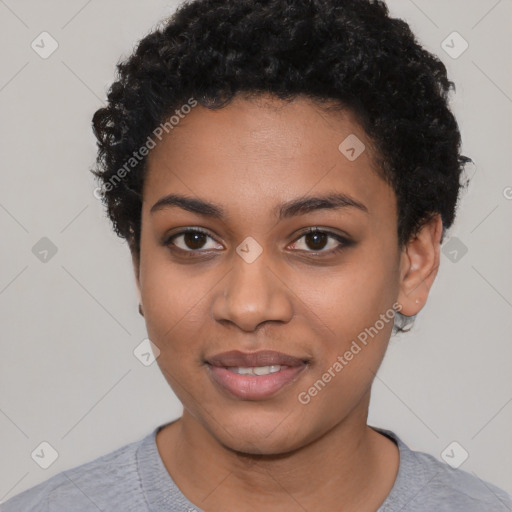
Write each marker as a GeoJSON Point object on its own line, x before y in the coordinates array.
{"type": "Point", "coordinates": [419, 263]}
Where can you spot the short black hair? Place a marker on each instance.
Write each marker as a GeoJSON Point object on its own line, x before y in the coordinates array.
{"type": "Point", "coordinates": [350, 52]}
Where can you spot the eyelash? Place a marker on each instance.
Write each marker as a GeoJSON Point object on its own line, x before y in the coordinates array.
{"type": "Point", "coordinates": [344, 242]}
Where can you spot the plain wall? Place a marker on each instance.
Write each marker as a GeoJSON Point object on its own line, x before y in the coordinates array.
{"type": "Point", "coordinates": [69, 326]}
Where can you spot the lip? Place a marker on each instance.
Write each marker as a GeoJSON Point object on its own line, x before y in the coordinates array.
{"type": "Point", "coordinates": [252, 387]}
{"type": "Point", "coordinates": [261, 358]}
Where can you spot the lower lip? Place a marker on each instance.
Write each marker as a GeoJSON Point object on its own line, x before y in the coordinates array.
{"type": "Point", "coordinates": [254, 387]}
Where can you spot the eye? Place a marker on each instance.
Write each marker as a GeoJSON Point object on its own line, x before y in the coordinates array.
{"type": "Point", "coordinates": [317, 239]}
{"type": "Point", "coordinates": [190, 240]}
{"type": "Point", "coordinates": [194, 240]}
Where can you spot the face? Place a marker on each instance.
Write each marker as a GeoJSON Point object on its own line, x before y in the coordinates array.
{"type": "Point", "coordinates": [250, 278]}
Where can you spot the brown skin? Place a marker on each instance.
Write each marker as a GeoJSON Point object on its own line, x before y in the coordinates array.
{"type": "Point", "coordinates": [228, 454]}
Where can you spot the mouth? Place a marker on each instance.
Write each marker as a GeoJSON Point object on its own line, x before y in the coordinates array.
{"type": "Point", "coordinates": [254, 376]}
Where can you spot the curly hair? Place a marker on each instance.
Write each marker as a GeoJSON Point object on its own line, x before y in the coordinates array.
{"type": "Point", "coordinates": [350, 52]}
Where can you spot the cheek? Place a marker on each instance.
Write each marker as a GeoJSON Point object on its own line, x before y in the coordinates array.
{"type": "Point", "coordinates": [346, 368]}
{"type": "Point", "coordinates": [351, 297]}
{"type": "Point", "coordinates": [174, 305]}
{"type": "Point", "coordinates": [356, 305]}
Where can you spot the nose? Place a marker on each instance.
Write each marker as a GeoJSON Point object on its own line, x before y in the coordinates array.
{"type": "Point", "coordinates": [252, 293]}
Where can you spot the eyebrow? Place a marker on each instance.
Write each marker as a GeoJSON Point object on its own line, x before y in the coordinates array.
{"type": "Point", "coordinates": [295, 207]}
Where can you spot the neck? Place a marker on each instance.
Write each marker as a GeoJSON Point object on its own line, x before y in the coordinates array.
{"type": "Point", "coordinates": [350, 467]}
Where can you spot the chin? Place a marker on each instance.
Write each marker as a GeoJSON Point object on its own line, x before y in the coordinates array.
{"type": "Point", "coordinates": [259, 445]}
{"type": "Point", "coordinates": [259, 433]}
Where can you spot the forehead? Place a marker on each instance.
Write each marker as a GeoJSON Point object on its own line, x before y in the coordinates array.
{"type": "Point", "coordinates": [264, 151]}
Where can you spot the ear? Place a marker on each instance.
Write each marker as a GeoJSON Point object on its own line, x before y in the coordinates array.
{"type": "Point", "coordinates": [136, 270]}
{"type": "Point", "coordinates": [419, 262]}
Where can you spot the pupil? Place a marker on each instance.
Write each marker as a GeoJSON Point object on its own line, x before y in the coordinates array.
{"type": "Point", "coordinates": [194, 236]}
{"type": "Point", "coordinates": [196, 240]}
{"type": "Point", "coordinates": [317, 235]}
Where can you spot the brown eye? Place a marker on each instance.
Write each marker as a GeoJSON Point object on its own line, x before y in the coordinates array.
{"type": "Point", "coordinates": [316, 240]}
{"type": "Point", "coordinates": [194, 240]}
{"type": "Point", "coordinates": [190, 240]}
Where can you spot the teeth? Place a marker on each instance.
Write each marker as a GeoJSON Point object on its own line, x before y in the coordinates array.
{"type": "Point", "coordinates": [256, 370]}
{"type": "Point", "coordinates": [266, 370]}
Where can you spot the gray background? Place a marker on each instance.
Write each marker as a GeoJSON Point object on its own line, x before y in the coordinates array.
{"type": "Point", "coordinates": [68, 375]}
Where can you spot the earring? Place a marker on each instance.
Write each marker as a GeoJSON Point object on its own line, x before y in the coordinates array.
{"type": "Point", "coordinates": [140, 310]}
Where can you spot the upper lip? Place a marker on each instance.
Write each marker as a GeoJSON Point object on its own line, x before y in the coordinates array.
{"type": "Point", "coordinates": [262, 358]}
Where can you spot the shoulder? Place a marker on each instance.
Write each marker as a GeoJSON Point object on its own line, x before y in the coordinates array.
{"type": "Point", "coordinates": [95, 485]}
{"type": "Point", "coordinates": [456, 489]}
{"type": "Point", "coordinates": [424, 483]}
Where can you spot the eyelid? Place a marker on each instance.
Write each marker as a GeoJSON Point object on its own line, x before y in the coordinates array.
{"type": "Point", "coordinates": [167, 240]}
{"type": "Point", "coordinates": [327, 231]}
{"type": "Point", "coordinates": [343, 239]}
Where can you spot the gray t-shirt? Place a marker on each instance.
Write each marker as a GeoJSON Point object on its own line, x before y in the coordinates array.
{"type": "Point", "coordinates": [133, 478]}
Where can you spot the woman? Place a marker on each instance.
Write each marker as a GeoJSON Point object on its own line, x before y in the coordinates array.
{"type": "Point", "coordinates": [284, 173]}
